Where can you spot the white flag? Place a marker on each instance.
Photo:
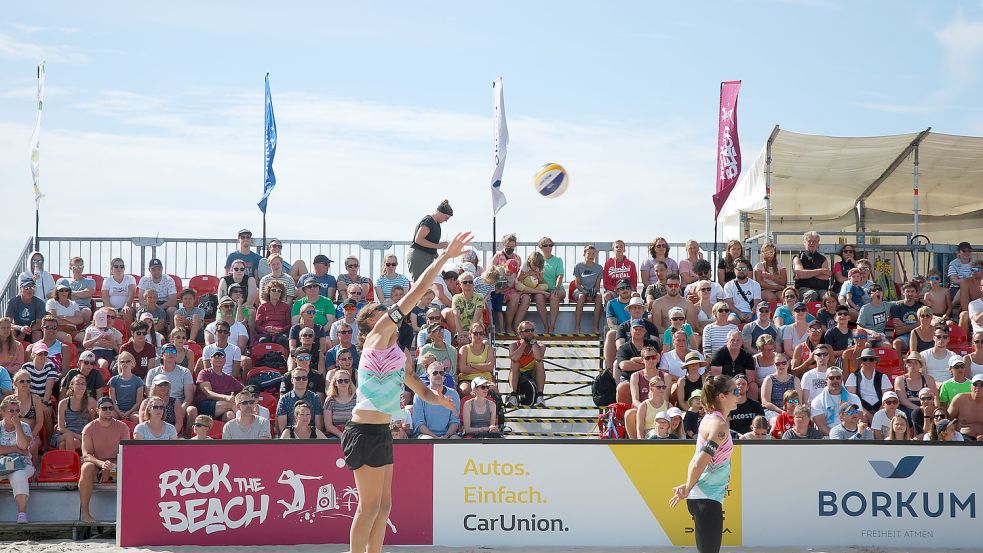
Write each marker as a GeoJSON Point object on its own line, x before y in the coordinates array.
{"type": "Point", "coordinates": [501, 146]}
{"type": "Point", "coordinates": [36, 140]}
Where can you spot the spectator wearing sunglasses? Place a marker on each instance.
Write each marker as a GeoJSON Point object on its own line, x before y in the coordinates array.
{"type": "Point", "coordinates": [869, 384]}
{"type": "Point", "coordinates": [851, 427]}
{"type": "Point", "coordinates": [325, 310]}
{"type": "Point", "coordinates": [761, 326]}
{"type": "Point", "coordinates": [974, 316]}
{"type": "Point", "coordinates": [434, 421]}
{"type": "Point", "coordinates": [715, 334]}
{"type": "Point", "coordinates": [389, 278]}
{"type": "Point", "coordinates": [346, 337]}
{"type": "Point", "coordinates": [349, 308]}
{"type": "Point", "coordinates": [874, 316]}
{"type": "Point", "coordinates": [958, 384]}
{"type": "Point", "coordinates": [478, 416]}
{"type": "Point", "coordinates": [238, 333]}
{"type": "Point", "coordinates": [94, 380]}
{"type": "Point", "coordinates": [215, 391]}
{"type": "Point", "coordinates": [232, 361]}
{"type": "Point", "coordinates": [938, 357]}
{"type": "Point", "coordinates": [640, 386]}
{"type": "Point", "coordinates": [247, 425]}
{"type": "Point", "coordinates": [742, 293]}
{"type": "Point", "coordinates": [26, 310]}
{"type": "Point", "coordinates": [617, 269]}
{"type": "Point", "coordinates": [811, 269]}
{"type": "Point", "coordinates": [350, 278]}
{"type": "Point", "coordinates": [922, 418]}
{"type": "Point", "coordinates": [826, 405]}
{"type": "Point", "coordinates": [141, 349]}
{"type": "Point", "coordinates": [119, 290]}
{"type": "Point", "coordinates": [883, 419]}
{"type": "Point", "coordinates": [746, 410]}
{"type": "Point", "coordinates": [469, 306]}
{"type": "Point", "coordinates": [299, 376]}
{"type": "Point", "coordinates": [273, 316]}
{"type": "Point", "coordinates": [100, 446]}
{"type": "Point", "coordinates": [237, 275]}
{"type": "Point", "coordinates": [317, 381]}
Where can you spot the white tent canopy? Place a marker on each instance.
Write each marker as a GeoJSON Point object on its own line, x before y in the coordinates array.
{"type": "Point", "coordinates": [828, 183]}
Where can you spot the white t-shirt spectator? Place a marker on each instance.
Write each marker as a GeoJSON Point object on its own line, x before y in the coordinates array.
{"type": "Point", "coordinates": [118, 291]}
{"type": "Point", "coordinates": [674, 365]}
{"type": "Point", "coordinates": [60, 310]}
{"type": "Point", "coordinates": [236, 330]}
{"type": "Point", "coordinates": [232, 354]}
{"type": "Point", "coordinates": [882, 423]}
{"type": "Point", "coordinates": [166, 288]}
{"type": "Point", "coordinates": [975, 308]}
{"type": "Point", "coordinates": [751, 289]}
{"type": "Point", "coordinates": [866, 389]}
{"type": "Point", "coordinates": [938, 368]}
{"type": "Point", "coordinates": [813, 382]}
{"type": "Point", "coordinates": [716, 293]}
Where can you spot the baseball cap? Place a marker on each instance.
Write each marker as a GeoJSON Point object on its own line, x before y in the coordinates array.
{"type": "Point", "coordinates": [834, 370]}
{"type": "Point", "coordinates": [942, 425]}
{"type": "Point", "coordinates": [844, 407]}
{"type": "Point", "coordinates": [889, 395]}
{"type": "Point", "coordinates": [677, 311]}
{"type": "Point", "coordinates": [480, 381]}
{"type": "Point", "coordinates": [25, 280]}
{"type": "Point", "coordinates": [977, 378]}
{"type": "Point", "coordinates": [350, 303]}
{"type": "Point", "coordinates": [105, 399]}
{"type": "Point", "coordinates": [147, 316]}
{"type": "Point", "coordinates": [468, 267]}
{"type": "Point", "coordinates": [635, 301]}
{"type": "Point", "coordinates": [675, 412]}
{"type": "Point", "coordinates": [763, 306]}
{"type": "Point", "coordinates": [624, 283]}
{"type": "Point", "coordinates": [155, 263]}
{"type": "Point", "coordinates": [218, 353]}
{"type": "Point", "coordinates": [161, 379]}
{"type": "Point", "coordinates": [740, 376]}
{"type": "Point", "coordinates": [637, 323]}
{"type": "Point", "coordinates": [956, 360]}
{"type": "Point", "coordinates": [244, 231]}
{"type": "Point", "coordinates": [63, 286]}
{"type": "Point", "coordinates": [39, 347]}
{"type": "Point", "coordinates": [663, 415]}
{"type": "Point", "coordinates": [87, 356]}
{"type": "Point", "coordinates": [225, 299]}
{"type": "Point", "coordinates": [236, 288]}
{"type": "Point", "coordinates": [321, 258]}
{"type": "Point", "coordinates": [799, 305]}
{"type": "Point", "coordinates": [964, 246]}
{"type": "Point", "coordinates": [696, 393]}
{"type": "Point", "coordinates": [309, 281]}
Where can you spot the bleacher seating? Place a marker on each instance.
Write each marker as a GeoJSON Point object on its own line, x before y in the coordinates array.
{"type": "Point", "coordinates": [204, 284]}
{"type": "Point", "coordinates": [59, 466]}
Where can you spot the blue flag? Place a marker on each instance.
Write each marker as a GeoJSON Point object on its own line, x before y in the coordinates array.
{"type": "Point", "coordinates": [269, 179]}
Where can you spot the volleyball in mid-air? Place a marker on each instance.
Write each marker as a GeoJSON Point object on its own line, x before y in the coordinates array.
{"type": "Point", "coordinates": [551, 180]}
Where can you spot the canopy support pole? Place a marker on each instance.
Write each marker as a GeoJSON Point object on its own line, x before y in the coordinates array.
{"type": "Point", "coordinates": [771, 139]}
{"type": "Point", "coordinates": [914, 251]}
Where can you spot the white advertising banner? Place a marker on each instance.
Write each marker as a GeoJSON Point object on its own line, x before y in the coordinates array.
{"type": "Point", "coordinates": [563, 495]}
{"type": "Point", "coordinates": [861, 495]}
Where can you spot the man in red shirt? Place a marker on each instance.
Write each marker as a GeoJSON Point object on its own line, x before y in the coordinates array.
{"type": "Point", "coordinates": [100, 444]}
{"type": "Point", "coordinates": [618, 267]}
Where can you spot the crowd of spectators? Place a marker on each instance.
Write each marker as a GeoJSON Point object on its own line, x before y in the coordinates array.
{"type": "Point", "coordinates": [274, 351]}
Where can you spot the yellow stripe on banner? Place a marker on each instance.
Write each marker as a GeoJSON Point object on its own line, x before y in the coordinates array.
{"type": "Point", "coordinates": [657, 468]}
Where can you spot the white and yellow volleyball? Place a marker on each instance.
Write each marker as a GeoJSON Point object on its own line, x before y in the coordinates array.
{"type": "Point", "coordinates": [551, 180]}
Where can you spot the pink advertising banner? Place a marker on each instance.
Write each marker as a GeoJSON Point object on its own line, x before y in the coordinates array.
{"type": "Point", "coordinates": [256, 493]}
{"type": "Point", "coordinates": [728, 145]}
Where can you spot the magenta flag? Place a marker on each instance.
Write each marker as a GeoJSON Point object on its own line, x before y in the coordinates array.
{"type": "Point", "coordinates": [728, 145]}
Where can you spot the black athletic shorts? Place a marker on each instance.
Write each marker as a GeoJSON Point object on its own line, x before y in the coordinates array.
{"type": "Point", "coordinates": [367, 444]}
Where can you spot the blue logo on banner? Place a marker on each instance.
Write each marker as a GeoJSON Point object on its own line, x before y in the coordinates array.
{"type": "Point", "coordinates": [905, 467]}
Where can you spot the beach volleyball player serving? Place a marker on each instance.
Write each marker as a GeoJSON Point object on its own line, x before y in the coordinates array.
{"type": "Point", "coordinates": [709, 470]}
{"type": "Point", "coordinates": [367, 441]}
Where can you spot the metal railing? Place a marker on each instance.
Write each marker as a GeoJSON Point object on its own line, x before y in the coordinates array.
{"type": "Point", "coordinates": [10, 287]}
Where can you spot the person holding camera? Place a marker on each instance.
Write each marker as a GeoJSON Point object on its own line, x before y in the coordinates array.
{"type": "Point", "coordinates": [526, 367]}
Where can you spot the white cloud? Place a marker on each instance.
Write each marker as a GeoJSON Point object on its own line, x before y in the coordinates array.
{"type": "Point", "coordinates": [32, 29]}
{"type": "Point", "coordinates": [962, 43]}
{"type": "Point", "coordinates": [17, 50]}
{"type": "Point", "coordinates": [353, 170]}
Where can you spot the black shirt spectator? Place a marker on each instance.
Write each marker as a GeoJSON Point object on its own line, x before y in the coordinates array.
{"type": "Point", "coordinates": [743, 364]}
{"type": "Point", "coordinates": [433, 234]}
{"type": "Point", "coordinates": [743, 414]}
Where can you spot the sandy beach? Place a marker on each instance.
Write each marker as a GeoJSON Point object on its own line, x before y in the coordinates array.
{"type": "Point", "coordinates": [107, 546]}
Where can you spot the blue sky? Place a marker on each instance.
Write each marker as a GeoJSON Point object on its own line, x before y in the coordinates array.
{"type": "Point", "coordinates": [156, 115]}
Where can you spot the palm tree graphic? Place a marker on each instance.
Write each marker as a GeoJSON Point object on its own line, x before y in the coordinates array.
{"type": "Point", "coordinates": [350, 496]}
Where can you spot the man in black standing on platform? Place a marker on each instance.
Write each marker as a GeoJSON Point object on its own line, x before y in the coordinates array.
{"type": "Point", "coordinates": [426, 240]}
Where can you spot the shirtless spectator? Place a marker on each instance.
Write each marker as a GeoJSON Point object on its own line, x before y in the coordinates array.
{"type": "Point", "coordinates": [617, 268]}
{"type": "Point", "coordinates": [83, 288]}
{"type": "Point", "coordinates": [971, 317]}
{"type": "Point", "coordinates": [967, 408]}
{"type": "Point", "coordinates": [673, 298]}
{"type": "Point", "coordinates": [811, 269]}
{"type": "Point", "coordinates": [937, 296]}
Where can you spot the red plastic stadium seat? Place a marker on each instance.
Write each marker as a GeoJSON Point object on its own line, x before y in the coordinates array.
{"type": "Point", "coordinates": [957, 336]}
{"type": "Point", "coordinates": [69, 361]}
{"type": "Point", "coordinates": [196, 349]}
{"type": "Point", "coordinates": [261, 349]}
{"type": "Point", "coordinates": [961, 350]}
{"type": "Point", "coordinates": [269, 401]}
{"type": "Point", "coordinates": [56, 277]}
{"type": "Point", "coordinates": [178, 284]}
{"type": "Point", "coordinates": [571, 288]}
{"type": "Point", "coordinates": [98, 279]}
{"type": "Point", "coordinates": [774, 306]}
{"type": "Point", "coordinates": [814, 307]}
{"type": "Point", "coordinates": [120, 325]}
{"type": "Point", "coordinates": [129, 424]}
{"type": "Point", "coordinates": [58, 466]}
{"type": "Point", "coordinates": [215, 432]}
{"type": "Point", "coordinates": [889, 362]}
{"type": "Point", "coordinates": [204, 284]}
